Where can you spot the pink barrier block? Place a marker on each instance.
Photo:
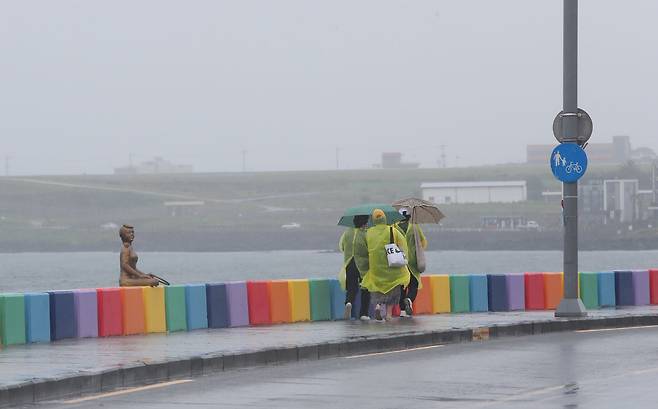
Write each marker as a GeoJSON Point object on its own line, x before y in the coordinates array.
{"type": "Point", "coordinates": [86, 312]}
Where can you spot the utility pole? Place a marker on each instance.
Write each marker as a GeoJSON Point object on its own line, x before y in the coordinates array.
{"type": "Point", "coordinates": [244, 160]}
{"type": "Point", "coordinates": [571, 305]}
{"type": "Point", "coordinates": [337, 157]}
{"type": "Point", "coordinates": [443, 156]}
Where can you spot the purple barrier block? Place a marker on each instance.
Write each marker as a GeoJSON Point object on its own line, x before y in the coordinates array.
{"type": "Point", "coordinates": [516, 292]}
{"type": "Point", "coordinates": [237, 304]}
{"type": "Point", "coordinates": [641, 287]}
{"type": "Point", "coordinates": [86, 313]}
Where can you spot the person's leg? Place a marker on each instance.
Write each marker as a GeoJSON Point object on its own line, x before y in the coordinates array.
{"type": "Point", "coordinates": [412, 289]}
{"type": "Point", "coordinates": [138, 282]}
{"type": "Point", "coordinates": [365, 303]}
{"type": "Point", "coordinates": [351, 282]}
{"type": "Point", "coordinates": [389, 311]}
{"type": "Point", "coordinates": [403, 295]}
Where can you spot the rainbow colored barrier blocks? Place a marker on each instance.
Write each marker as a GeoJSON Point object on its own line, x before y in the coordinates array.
{"type": "Point", "coordinates": [640, 287]}
{"type": "Point", "coordinates": [279, 297]}
{"type": "Point", "coordinates": [497, 292]}
{"type": "Point", "coordinates": [423, 301]}
{"type": "Point", "coordinates": [12, 318]}
{"type": "Point", "coordinates": [337, 300]}
{"type": "Point", "coordinates": [516, 292]}
{"type": "Point", "coordinates": [459, 293]}
{"type": "Point", "coordinates": [624, 288]}
{"type": "Point", "coordinates": [86, 313]}
{"type": "Point", "coordinates": [478, 293]}
{"type": "Point", "coordinates": [440, 286]}
{"type": "Point", "coordinates": [320, 299]}
{"type": "Point", "coordinates": [37, 317]}
{"type": "Point", "coordinates": [300, 303]}
{"type": "Point", "coordinates": [553, 289]}
{"type": "Point", "coordinates": [110, 312]}
{"type": "Point", "coordinates": [259, 302]}
{"type": "Point", "coordinates": [216, 301]}
{"type": "Point", "coordinates": [155, 316]}
{"type": "Point", "coordinates": [175, 308]}
{"type": "Point", "coordinates": [195, 306]}
{"type": "Point", "coordinates": [534, 291]}
{"type": "Point", "coordinates": [237, 304]}
{"type": "Point", "coordinates": [589, 289]}
{"type": "Point", "coordinates": [62, 315]}
{"type": "Point", "coordinates": [607, 294]}
{"type": "Point", "coordinates": [132, 305]}
{"type": "Point", "coordinates": [653, 286]}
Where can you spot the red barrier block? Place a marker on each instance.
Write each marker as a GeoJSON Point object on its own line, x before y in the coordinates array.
{"type": "Point", "coordinates": [534, 291]}
{"type": "Point", "coordinates": [110, 312]}
{"type": "Point", "coordinates": [259, 302]}
{"type": "Point", "coordinates": [423, 302]}
{"type": "Point", "coordinates": [553, 289]}
{"type": "Point", "coordinates": [653, 286]}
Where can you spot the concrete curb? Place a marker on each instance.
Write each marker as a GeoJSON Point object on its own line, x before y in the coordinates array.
{"type": "Point", "coordinates": [153, 372]}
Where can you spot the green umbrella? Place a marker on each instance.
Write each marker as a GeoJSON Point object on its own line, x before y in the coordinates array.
{"type": "Point", "coordinates": [347, 220]}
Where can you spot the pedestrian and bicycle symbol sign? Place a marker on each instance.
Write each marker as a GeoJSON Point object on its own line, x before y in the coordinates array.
{"type": "Point", "coordinates": [568, 162]}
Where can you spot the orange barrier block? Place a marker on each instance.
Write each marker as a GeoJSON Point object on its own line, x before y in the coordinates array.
{"type": "Point", "coordinates": [553, 289]}
{"type": "Point", "coordinates": [279, 301]}
{"type": "Point", "coordinates": [132, 301]}
{"type": "Point", "coordinates": [423, 302]}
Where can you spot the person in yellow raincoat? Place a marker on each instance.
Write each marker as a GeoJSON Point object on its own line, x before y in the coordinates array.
{"type": "Point", "coordinates": [382, 281]}
{"type": "Point", "coordinates": [408, 295]}
{"type": "Point", "coordinates": [355, 265]}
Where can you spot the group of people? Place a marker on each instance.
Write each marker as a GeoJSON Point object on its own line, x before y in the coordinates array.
{"type": "Point", "coordinates": [366, 265]}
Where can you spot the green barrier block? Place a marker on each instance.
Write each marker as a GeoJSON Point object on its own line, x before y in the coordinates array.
{"type": "Point", "coordinates": [320, 291]}
{"type": "Point", "coordinates": [459, 293]}
{"type": "Point", "coordinates": [12, 318]}
{"type": "Point", "coordinates": [175, 308]}
{"type": "Point", "coordinates": [589, 289]}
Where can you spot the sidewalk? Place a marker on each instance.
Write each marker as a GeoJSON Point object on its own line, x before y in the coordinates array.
{"type": "Point", "coordinates": [38, 372]}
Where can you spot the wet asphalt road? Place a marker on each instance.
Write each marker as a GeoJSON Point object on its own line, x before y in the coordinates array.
{"type": "Point", "coordinates": [598, 369]}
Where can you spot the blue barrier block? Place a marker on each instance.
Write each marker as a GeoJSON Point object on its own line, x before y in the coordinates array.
{"type": "Point", "coordinates": [195, 306]}
{"type": "Point", "coordinates": [607, 294]}
{"type": "Point", "coordinates": [478, 289]}
{"type": "Point", "coordinates": [497, 292]}
{"type": "Point", "coordinates": [624, 288]}
{"type": "Point", "coordinates": [216, 305]}
{"type": "Point", "coordinates": [337, 300]}
{"type": "Point", "coordinates": [37, 317]}
{"type": "Point", "coordinates": [62, 315]}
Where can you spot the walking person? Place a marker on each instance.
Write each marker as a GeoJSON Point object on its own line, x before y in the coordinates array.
{"type": "Point", "coordinates": [355, 263]}
{"type": "Point", "coordinates": [383, 281]}
{"type": "Point", "coordinates": [410, 230]}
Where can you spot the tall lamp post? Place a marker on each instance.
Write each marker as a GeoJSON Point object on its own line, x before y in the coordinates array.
{"type": "Point", "coordinates": [571, 305]}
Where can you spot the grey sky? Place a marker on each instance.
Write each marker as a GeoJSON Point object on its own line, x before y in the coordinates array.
{"type": "Point", "coordinates": [85, 83]}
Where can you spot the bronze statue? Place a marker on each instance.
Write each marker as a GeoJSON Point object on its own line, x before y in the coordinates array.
{"type": "Point", "coordinates": [130, 275]}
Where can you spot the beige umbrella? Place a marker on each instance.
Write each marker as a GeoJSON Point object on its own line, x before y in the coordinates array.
{"type": "Point", "coordinates": [422, 211]}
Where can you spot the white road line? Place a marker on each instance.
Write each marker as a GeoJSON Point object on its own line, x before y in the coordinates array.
{"type": "Point", "coordinates": [127, 391]}
{"type": "Point", "coordinates": [616, 329]}
{"type": "Point", "coordinates": [393, 352]}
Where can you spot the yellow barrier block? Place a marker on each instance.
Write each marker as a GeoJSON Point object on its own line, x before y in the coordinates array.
{"type": "Point", "coordinates": [440, 285]}
{"type": "Point", "coordinates": [155, 317]}
{"type": "Point", "coordinates": [300, 301]}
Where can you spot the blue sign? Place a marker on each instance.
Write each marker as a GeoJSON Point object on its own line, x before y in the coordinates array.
{"type": "Point", "coordinates": [568, 162]}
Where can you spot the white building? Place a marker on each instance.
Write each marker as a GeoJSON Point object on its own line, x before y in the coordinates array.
{"type": "Point", "coordinates": [475, 192]}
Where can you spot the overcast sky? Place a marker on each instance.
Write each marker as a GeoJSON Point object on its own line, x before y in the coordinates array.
{"type": "Point", "coordinates": [84, 84]}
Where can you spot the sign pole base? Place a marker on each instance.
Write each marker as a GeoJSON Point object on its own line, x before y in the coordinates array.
{"type": "Point", "coordinates": [571, 307]}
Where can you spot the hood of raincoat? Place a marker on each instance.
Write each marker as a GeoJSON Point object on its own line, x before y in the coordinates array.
{"type": "Point", "coordinates": [378, 217]}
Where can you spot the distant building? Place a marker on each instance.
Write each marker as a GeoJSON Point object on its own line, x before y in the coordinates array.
{"type": "Point", "coordinates": [619, 151]}
{"type": "Point", "coordinates": [156, 166]}
{"type": "Point", "coordinates": [475, 192]}
{"type": "Point", "coordinates": [393, 160]}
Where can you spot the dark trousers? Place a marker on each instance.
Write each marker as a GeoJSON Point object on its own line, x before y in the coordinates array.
{"type": "Point", "coordinates": [411, 291]}
{"type": "Point", "coordinates": [352, 279]}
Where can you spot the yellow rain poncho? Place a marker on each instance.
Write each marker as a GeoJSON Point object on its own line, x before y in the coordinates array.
{"type": "Point", "coordinates": [353, 246]}
{"type": "Point", "coordinates": [382, 278]}
{"type": "Point", "coordinates": [409, 230]}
